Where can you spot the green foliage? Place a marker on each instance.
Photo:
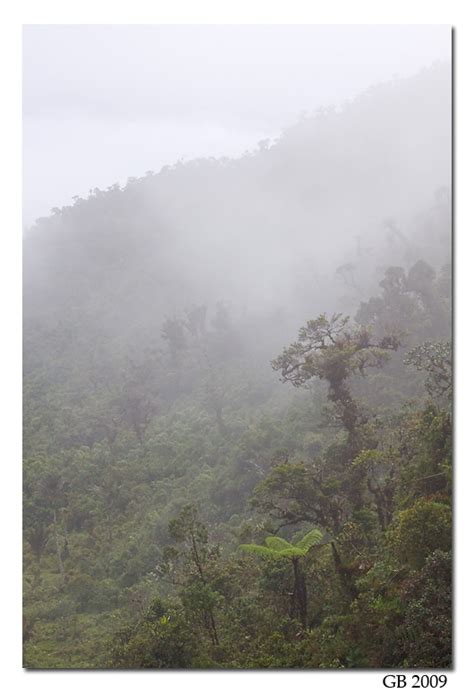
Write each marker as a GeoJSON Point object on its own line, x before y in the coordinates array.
{"type": "Point", "coordinates": [312, 538]}
{"type": "Point", "coordinates": [161, 640]}
{"type": "Point", "coordinates": [425, 636]}
{"type": "Point", "coordinates": [332, 349]}
{"type": "Point", "coordinates": [421, 530]}
{"type": "Point", "coordinates": [278, 548]}
{"type": "Point", "coordinates": [157, 439]}
{"type": "Point", "coordinates": [99, 519]}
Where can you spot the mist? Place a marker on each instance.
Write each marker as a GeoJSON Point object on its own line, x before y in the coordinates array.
{"type": "Point", "coordinates": [237, 322]}
{"type": "Point", "coordinates": [105, 103]}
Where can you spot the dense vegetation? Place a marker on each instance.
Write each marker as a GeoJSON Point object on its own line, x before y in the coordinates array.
{"type": "Point", "coordinates": [183, 507]}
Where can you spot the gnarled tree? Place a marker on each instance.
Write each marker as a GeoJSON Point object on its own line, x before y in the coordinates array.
{"type": "Point", "coordinates": [333, 349]}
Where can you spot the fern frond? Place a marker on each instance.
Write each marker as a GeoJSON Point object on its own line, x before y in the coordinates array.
{"type": "Point", "coordinates": [277, 543]}
{"type": "Point", "coordinates": [311, 539]}
{"type": "Point", "coordinates": [260, 550]}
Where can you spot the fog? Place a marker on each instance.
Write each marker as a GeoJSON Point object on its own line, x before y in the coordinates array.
{"type": "Point", "coordinates": [346, 168]}
{"type": "Point", "coordinates": [213, 192]}
{"type": "Point", "coordinates": [102, 103]}
{"type": "Point", "coordinates": [237, 328]}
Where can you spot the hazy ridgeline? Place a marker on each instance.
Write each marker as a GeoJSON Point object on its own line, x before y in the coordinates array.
{"type": "Point", "coordinates": [367, 185]}
{"type": "Point", "coordinates": [151, 314]}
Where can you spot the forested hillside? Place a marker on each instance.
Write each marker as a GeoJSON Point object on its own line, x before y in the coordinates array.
{"type": "Point", "coordinates": [237, 404]}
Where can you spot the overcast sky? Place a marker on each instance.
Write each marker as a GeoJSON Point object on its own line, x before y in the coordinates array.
{"type": "Point", "coordinates": [104, 103]}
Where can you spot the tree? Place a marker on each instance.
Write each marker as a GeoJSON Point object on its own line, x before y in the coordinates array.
{"type": "Point", "coordinates": [198, 593]}
{"type": "Point", "coordinates": [160, 640]}
{"type": "Point", "coordinates": [397, 307]}
{"type": "Point", "coordinates": [332, 349]}
{"type": "Point", "coordinates": [37, 536]}
{"type": "Point", "coordinates": [425, 636]}
{"type": "Point", "coordinates": [279, 549]}
{"type": "Point", "coordinates": [414, 302]}
{"type": "Point", "coordinates": [52, 491]}
{"type": "Point", "coordinates": [421, 530]}
{"type": "Point", "coordinates": [435, 358]}
{"type": "Point", "coordinates": [294, 493]}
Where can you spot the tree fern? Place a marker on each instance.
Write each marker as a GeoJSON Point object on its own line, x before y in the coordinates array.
{"type": "Point", "coordinates": [276, 547]}
{"type": "Point", "coordinates": [280, 549]}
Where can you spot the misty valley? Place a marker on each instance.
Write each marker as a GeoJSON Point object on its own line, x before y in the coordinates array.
{"type": "Point", "coordinates": [237, 404]}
